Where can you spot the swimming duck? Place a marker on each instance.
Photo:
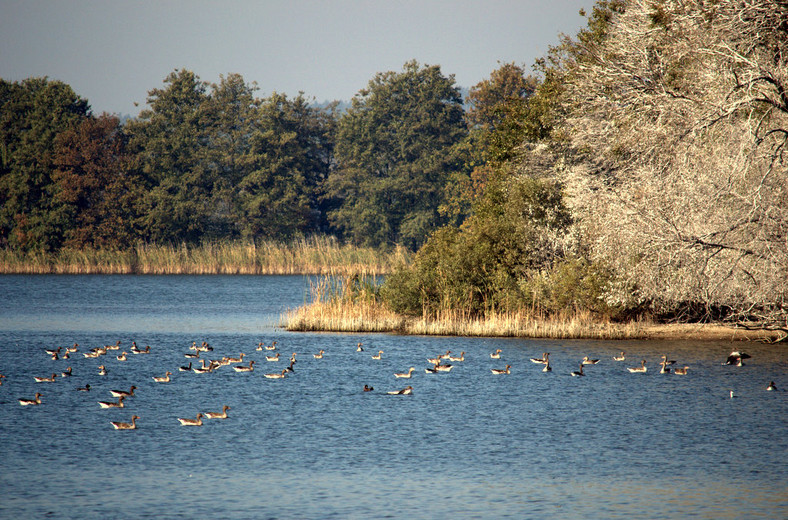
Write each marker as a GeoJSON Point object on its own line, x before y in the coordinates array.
{"type": "Point", "coordinates": [218, 415]}
{"type": "Point", "coordinates": [408, 390]}
{"type": "Point", "coordinates": [578, 373]}
{"type": "Point", "coordinates": [242, 368]}
{"type": "Point", "coordinates": [496, 354]}
{"type": "Point", "coordinates": [123, 393]}
{"type": "Point", "coordinates": [378, 355]}
{"type": "Point", "coordinates": [771, 386]}
{"type": "Point", "coordinates": [110, 404]}
{"type": "Point", "coordinates": [49, 379]}
{"type": "Point", "coordinates": [31, 402]}
{"type": "Point", "coordinates": [501, 370]}
{"type": "Point", "coordinates": [680, 371]}
{"type": "Point", "coordinates": [405, 375]}
{"type": "Point", "coordinates": [126, 426]}
{"type": "Point", "coordinates": [319, 355]}
{"type": "Point", "coordinates": [192, 422]}
{"type": "Point", "coordinates": [276, 375]}
{"type": "Point", "coordinates": [164, 379]}
{"type": "Point", "coordinates": [621, 357]}
{"type": "Point", "coordinates": [641, 369]}
{"type": "Point", "coordinates": [587, 361]}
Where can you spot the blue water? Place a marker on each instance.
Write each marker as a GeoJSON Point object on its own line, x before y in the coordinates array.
{"type": "Point", "coordinates": [466, 444]}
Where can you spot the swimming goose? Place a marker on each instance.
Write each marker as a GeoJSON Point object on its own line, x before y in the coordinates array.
{"type": "Point", "coordinates": [205, 347]}
{"type": "Point", "coordinates": [622, 357]}
{"type": "Point", "coordinates": [547, 367]}
{"type": "Point", "coordinates": [146, 350]}
{"type": "Point", "coordinates": [122, 356]}
{"type": "Point", "coordinates": [435, 361]}
{"type": "Point", "coordinates": [272, 346]}
{"type": "Point", "coordinates": [64, 356]}
{"type": "Point", "coordinates": [164, 379]}
{"type": "Point", "coordinates": [218, 415]}
{"type": "Point", "coordinates": [377, 356]}
{"type": "Point", "coordinates": [242, 368]}
{"type": "Point", "coordinates": [49, 379]}
{"type": "Point", "coordinates": [85, 388]}
{"type": "Point", "coordinates": [444, 368]}
{"type": "Point", "coordinates": [73, 349]}
{"type": "Point", "coordinates": [123, 393]}
{"type": "Point", "coordinates": [432, 370]}
{"type": "Point", "coordinates": [272, 358]}
{"type": "Point", "coordinates": [587, 361]}
{"type": "Point", "coordinates": [125, 425]}
{"type": "Point", "coordinates": [736, 357]}
{"type": "Point", "coordinates": [54, 352]}
{"type": "Point", "coordinates": [110, 404]}
{"type": "Point", "coordinates": [771, 386]}
{"type": "Point", "coordinates": [319, 355]}
{"type": "Point", "coordinates": [680, 371]}
{"type": "Point", "coordinates": [641, 369]}
{"type": "Point", "coordinates": [102, 370]}
{"type": "Point", "coordinates": [501, 370]}
{"type": "Point", "coordinates": [461, 358]}
{"type": "Point", "coordinates": [1, 379]}
{"type": "Point", "coordinates": [359, 348]}
{"type": "Point", "coordinates": [259, 346]}
{"type": "Point", "coordinates": [240, 358]}
{"type": "Point", "coordinates": [496, 354]}
{"type": "Point", "coordinates": [276, 375]}
{"type": "Point", "coordinates": [578, 373]}
{"type": "Point", "coordinates": [405, 375]}
{"type": "Point", "coordinates": [368, 388]}
{"type": "Point", "coordinates": [732, 394]}
{"type": "Point", "coordinates": [192, 422]}
{"type": "Point", "coordinates": [196, 355]}
{"type": "Point", "coordinates": [408, 390]}
{"type": "Point", "coordinates": [668, 361]}
{"type": "Point", "coordinates": [446, 355]}
{"type": "Point", "coordinates": [187, 368]}
{"type": "Point", "coordinates": [67, 373]}
{"type": "Point", "coordinates": [29, 402]}
{"type": "Point", "coordinates": [542, 360]}
{"type": "Point", "coordinates": [290, 367]}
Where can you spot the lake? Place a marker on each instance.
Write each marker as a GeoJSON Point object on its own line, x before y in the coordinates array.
{"type": "Point", "coordinates": [466, 444]}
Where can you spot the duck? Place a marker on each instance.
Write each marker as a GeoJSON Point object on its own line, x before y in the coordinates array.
{"type": "Point", "coordinates": [641, 369]}
{"type": "Point", "coordinates": [85, 388]}
{"type": "Point", "coordinates": [110, 404]}
{"type": "Point", "coordinates": [736, 357]}
{"type": "Point", "coordinates": [164, 379]}
{"type": "Point", "coordinates": [501, 370]}
{"type": "Point", "coordinates": [272, 358]}
{"type": "Point", "coordinates": [368, 388]}
{"type": "Point", "coordinates": [319, 355]}
{"type": "Point", "coordinates": [66, 373]}
{"type": "Point", "coordinates": [620, 357]}
{"type": "Point", "coordinates": [587, 361]}
{"type": "Point", "coordinates": [405, 375]}
{"type": "Point", "coordinates": [122, 356]}
{"type": "Point", "coordinates": [359, 348]}
{"type": "Point", "coordinates": [542, 360]}
{"type": "Point", "coordinates": [408, 390]}
{"type": "Point", "coordinates": [186, 368]}
{"type": "Point", "coordinates": [192, 422]}
{"type": "Point", "coordinates": [242, 368]}
{"type": "Point", "coordinates": [579, 373]}
{"type": "Point", "coordinates": [460, 358]}
{"type": "Point", "coordinates": [126, 426]}
{"type": "Point", "coordinates": [31, 402]}
{"type": "Point", "coordinates": [102, 370]}
{"type": "Point", "coordinates": [771, 386]}
{"type": "Point", "coordinates": [49, 379]}
{"type": "Point", "coordinates": [277, 375]}
{"type": "Point", "coordinates": [123, 393]}
{"type": "Point", "coordinates": [496, 354]}
{"type": "Point", "coordinates": [680, 371]}
{"type": "Point", "coordinates": [218, 415]}
{"type": "Point", "coordinates": [378, 355]}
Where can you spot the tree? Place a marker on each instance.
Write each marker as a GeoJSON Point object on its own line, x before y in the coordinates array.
{"type": "Point", "coordinates": [393, 156]}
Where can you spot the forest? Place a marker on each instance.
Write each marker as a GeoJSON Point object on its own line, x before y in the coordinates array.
{"type": "Point", "coordinates": [637, 170]}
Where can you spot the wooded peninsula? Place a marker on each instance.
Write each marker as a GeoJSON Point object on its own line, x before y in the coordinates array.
{"type": "Point", "coordinates": [636, 176]}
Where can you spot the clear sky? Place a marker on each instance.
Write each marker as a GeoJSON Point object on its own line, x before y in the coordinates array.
{"type": "Point", "coordinates": [112, 52]}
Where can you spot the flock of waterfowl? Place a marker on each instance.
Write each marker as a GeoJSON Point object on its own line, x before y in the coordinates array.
{"type": "Point", "coordinates": [441, 363]}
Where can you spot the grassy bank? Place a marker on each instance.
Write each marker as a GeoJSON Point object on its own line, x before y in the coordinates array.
{"type": "Point", "coordinates": [317, 255]}
{"type": "Point", "coordinates": [350, 305]}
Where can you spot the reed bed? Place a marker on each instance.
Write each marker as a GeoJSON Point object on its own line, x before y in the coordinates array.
{"type": "Point", "coordinates": [314, 255]}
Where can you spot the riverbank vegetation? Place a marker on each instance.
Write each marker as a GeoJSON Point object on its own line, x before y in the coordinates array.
{"type": "Point", "coordinates": [637, 176]}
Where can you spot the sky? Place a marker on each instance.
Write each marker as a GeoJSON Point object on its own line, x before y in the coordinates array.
{"type": "Point", "coordinates": [112, 52]}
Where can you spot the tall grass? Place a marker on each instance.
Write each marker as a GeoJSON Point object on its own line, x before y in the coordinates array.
{"type": "Point", "coordinates": [314, 255]}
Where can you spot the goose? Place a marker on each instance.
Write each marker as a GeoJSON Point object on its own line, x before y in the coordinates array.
{"type": "Point", "coordinates": [547, 367]}
{"type": "Point", "coordinates": [125, 425]}
{"type": "Point", "coordinates": [240, 358]}
{"type": "Point", "coordinates": [405, 375]}
{"type": "Point", "coordinates": [501, 370]}
{"type": "Point", "coordinates": [272, 358]}
{"type": "Point", "coordinates": [290, 367]}
{"type": "Point", "coordinates": [736, 357]}
{"type": "Point", "coordinates": [446, 355]}
{"type": "Point", "coordinates": [1, 379]}
{"type": "Point", "coordinates": [663, 367]}
{"type": "Point", "coordinates": [192, 422]}
{"type": "Point", "coordinates": [319, 355]}
{"type": "Point", "coordinates": [259, 346]}
{"type": "Point", "coordinates": [73, 349]}
{"type": "Point", "coordinates": [461, 358]}
{"type": "Point", "coordinates": [359, 348]}
{"type": "Point", "coordinates": [408, 390]}
{"type": "Point", "coordinates": [621, 357]}
{"type": "Point", "coordinates": [54, 352]}
{"type": "Point", "coordinates": [67, 373]}
{"type": "Point", "coordinates": [587, 361]}
{"type": "Point", "coordinates": [85, 388]}
{"type": "Point", "coordinates": [641, 369]}
{"type": "Point", "coordinates": [196, 355]}
{"type": "Point", "coordinates": [496, 354]}
{"type": "Point", "coordinates": [668, 361]}
{"type": "Point", "coordinates": [272, 346]}
{"type": "Point", "coordinates": [368, 388]}
{"type": "Point", "coordinates": [164, 379]}
{"type": "Point", "coordinates": [444, 368]}
{"type": "Point", "coordinates": [123, 393]}
{"type": "Point", "coordinates": [435, 361]}
{"type": "Point", "coordinates": [732, 394]}
{"type": "Point", "coordinates": [146, 350]}
{"type": "Point", "coordinates": [542, 360]}
{"type": "Point", "coordinates": [122, 356]}
{"type": "Point", "coordinates": [680, 371]}
{"type": "Point", "coordinates": [29, 402]}
{"type": "Point", "coordinates": [204, 369]}
{"type": "Point", "coordinates": [218, 415]}
{"type": "Point", "coordinates": [293, 358]}
{"type": "Point", "coordinates": [378, 355]}
{"type": "Point", "coordinates": [578, 373]}
{"type": "Point", "coordinates": [49, 379]}
{"type": "Point", "coordinates": [64, 356]}
{"type": "Point", "coordinates": [771, 386]}
{"type": "Point", "coordinates": [276, 375]}
{"type": "Point", "coordinates": [205, 347]}
{"type": "Point", "coordinates": [186, 368]}
{"type": "Point", "coordinates": [110, 404]}
{"type": "Point", "coordinates": [242, 368]}
{"type": "Point", "coordinates": [432, 370]}
{"type": "Point", "coordinates": [102, 370]}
